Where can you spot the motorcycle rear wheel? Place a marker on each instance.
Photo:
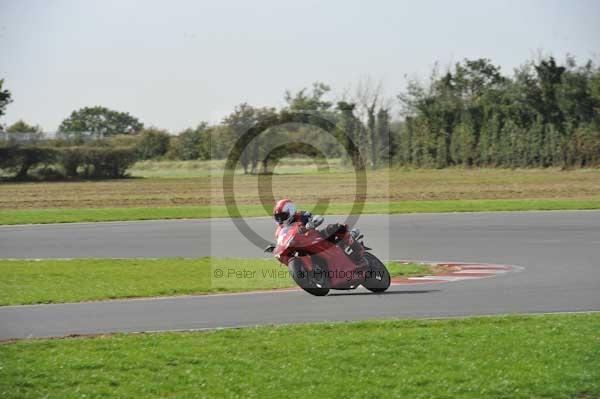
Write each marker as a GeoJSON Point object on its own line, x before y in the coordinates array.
{"type": "Point", "coordinates": [378, 277]}
{"type": "Point", "coordinates": [316, 282]}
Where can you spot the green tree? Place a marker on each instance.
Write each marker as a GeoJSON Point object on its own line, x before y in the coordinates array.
{"type": "Point", "coordinates": [549, 76]}
{"type": "Point", "coordinates": [5, 98]}
{"type": "Point", "coordinates": [442, 150]}
{"type": "Point", "coordinates": [584, 148]}
{"type": "Point", "coordinates": [405, 142]}
{"type": "Point", "coordinates": [22, 127]}
{"type": "Point", "coordinates": [384, 151]}
{"type": "Point", "coordinates": [535, 144]}
{"type": "Point", "coordinates": [507, 140]}
{"type": "Point", "coordinates": [551, 146]}
{"type": "Point", "coordinates": [372, 134]}
{"type": "Point", "coordinates": [473, 78]}
{"type": "Point", "coordinates": [349, 127]}
{"type": "Point", "coordinates": [194, 143]}
{"type": "Point", "coordinates": [96, 161]}
{"type": "Point", "coordinates": [419, 153]}
{"type": "Point", "coordinates": [20, 160]}
{"type": "Point", "coordinates": [595, 88]}
{"type": "Point", "coordinates": [484, 145]}
{"type": "Point", "coordinates": [575, 97]}
{"type": "Point", "coordinates": [541, 116]}
{"type": "Point", "coordinates": [100, 121]}
{"type": "Point", "coordinates": [519, 140]}
{"type": "Point", "coordinates": [370, 100]}
{"type": "Point", "coordinates": [463, 144]}
{"type": "Point", "coordinates": [153, 143]}
{"type": "Point", "coordinates": [305, 100]}
{"type": "Point", "coordinates": [240, 121]}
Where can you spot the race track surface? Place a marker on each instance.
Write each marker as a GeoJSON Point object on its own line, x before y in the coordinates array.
{"type": "Point", "coordinates": [560, 252]}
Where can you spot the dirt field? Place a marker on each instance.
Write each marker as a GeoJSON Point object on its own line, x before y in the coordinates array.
{"type": "Point", "coordinates": [307, 188]}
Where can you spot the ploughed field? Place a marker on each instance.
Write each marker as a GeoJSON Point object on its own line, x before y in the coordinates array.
{"type": "Point", "coordinates": [306, 188]}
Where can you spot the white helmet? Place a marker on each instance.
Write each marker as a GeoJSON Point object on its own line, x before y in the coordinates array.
{"type": "Point", "coordinates": [284, 211]}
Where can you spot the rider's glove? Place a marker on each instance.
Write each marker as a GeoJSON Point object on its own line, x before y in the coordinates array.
{"type": "Point", "coordinates": [356, 234]}
{"type": "Point", "coordinates": [314, 222]}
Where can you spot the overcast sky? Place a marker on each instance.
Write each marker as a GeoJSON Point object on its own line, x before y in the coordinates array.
{"type": "Point", "coordinates": [173, 64]}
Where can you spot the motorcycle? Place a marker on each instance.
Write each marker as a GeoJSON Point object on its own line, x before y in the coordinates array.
{"type": "Point", "coordinates": [318, 263]}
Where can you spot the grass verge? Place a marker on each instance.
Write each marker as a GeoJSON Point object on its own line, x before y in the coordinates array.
{"type": "Point", "coordinates": [546, 356]}
{"type": "Point", "coordinates": [65, 215]}
{"type": "Point", "coordinates": [56, 281]}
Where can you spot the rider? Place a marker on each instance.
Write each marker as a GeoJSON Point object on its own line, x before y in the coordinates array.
{"type": "Point", "coordinates": [285, 213]}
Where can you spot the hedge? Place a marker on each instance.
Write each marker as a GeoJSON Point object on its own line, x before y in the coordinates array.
{"type": "Point", "coordinates": [77, 161]}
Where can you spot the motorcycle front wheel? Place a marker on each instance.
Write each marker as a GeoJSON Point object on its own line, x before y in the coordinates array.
{"type": "Point", "coordinates": [377, 278]}
{"type": "Point", "coordinates": [315, 282]}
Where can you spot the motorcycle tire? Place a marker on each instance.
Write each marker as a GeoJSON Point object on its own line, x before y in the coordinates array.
{"type": "Point", "coordinates": [378, 277]}
{"type": "Point", "coordinates": [315, 282]}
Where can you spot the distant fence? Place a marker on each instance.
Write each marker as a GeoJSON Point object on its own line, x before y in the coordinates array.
{"type": "Point", "coordinates": [27, 138]}
{"type": "Point", "coordinates": [21, 138]}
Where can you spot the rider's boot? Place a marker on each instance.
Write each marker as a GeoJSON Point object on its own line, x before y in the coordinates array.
{"type": "Point", "coordinates": [358, 251]}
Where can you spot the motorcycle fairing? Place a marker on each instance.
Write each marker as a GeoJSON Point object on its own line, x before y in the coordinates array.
{"type": "Point", "coordinates": [295, 238]}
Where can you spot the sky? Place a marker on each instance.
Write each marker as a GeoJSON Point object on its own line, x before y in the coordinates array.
{"type": "Point", "coordinates": [173, 64]}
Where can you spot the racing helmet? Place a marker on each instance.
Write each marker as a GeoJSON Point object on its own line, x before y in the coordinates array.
{"type": "Point", "coordinates": [284, 211]}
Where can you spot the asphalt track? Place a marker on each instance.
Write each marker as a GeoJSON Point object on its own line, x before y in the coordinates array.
{"type": "Point", "coordinates": [560, 253]}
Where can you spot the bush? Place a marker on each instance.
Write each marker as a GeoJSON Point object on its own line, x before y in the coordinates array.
{"type": "Point", "coordinates": [92, 161]}
{"type": "Point", "coordinates": [97, 161]}
{"type": "Point", "coordinates": [153, 143]}
{"type": "Point", "coordinates": [124, 140]}
{"type": "Point", "coordinates": [70, 159]}
{"type": "Point", "coordinates": [109, 162]}
{"type": "Point", "coordinates": [19, 160]}
{"type": "Point", "coordinates": [193, 144]}
{"type": "Point", "coordinates": [48, 172]}
{"type": "Point", "coordinates": [585, 145]}
{"type": "Point", "coordinates": [173, 150]}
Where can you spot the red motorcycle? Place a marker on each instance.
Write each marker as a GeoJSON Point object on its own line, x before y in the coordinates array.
{"type": "Point", "coordinates": [318, 263]}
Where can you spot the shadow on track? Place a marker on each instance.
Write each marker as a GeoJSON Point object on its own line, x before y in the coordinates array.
{"type": "Point", "coordinates": [383, 293]}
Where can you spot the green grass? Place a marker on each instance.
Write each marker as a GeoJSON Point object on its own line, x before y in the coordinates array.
{"type": "Point", "coordinates": [549, 356]}
{"type": "Point", "coordinates": [55, 281]}
{"type": "Point", "coordinates": [65, 215]}
{"type": "Point", "coordinates": [47, 281]}
{"type": "Point", "coordinates": [409, 269]}
{"type": "Point", "coordinates": [61, 215]}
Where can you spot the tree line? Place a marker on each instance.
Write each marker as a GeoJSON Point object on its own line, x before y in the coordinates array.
{"type": "Point", "coordinates": [545, 114]}
{"type": "Point", "coordinates": [471, 114]}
